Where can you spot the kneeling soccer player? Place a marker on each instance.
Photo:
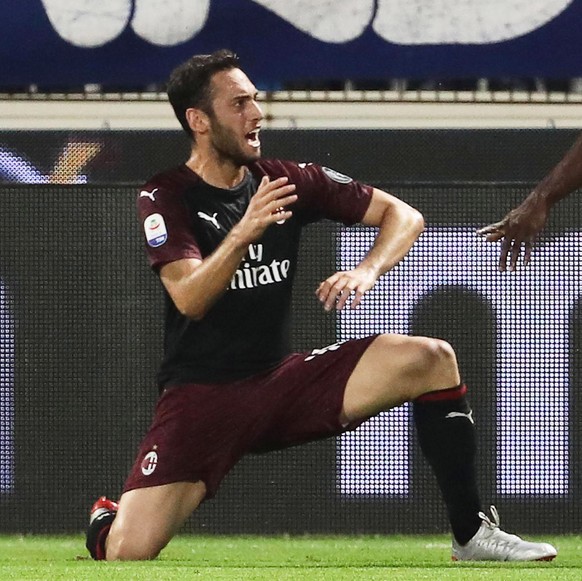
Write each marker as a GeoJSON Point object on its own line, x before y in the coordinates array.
{"type": "Point", "coordinates": [222, 232]}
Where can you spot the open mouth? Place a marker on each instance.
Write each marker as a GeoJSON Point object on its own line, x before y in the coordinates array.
{"type": "Point", "coordinates": [252, 138]}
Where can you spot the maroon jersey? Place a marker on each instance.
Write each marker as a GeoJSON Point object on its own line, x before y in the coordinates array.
{"type": "Point", "coordinates": [247, 329]}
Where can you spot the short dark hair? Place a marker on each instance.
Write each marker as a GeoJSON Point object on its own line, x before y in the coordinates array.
{"type": "Point", "coordinates": [189, 83]}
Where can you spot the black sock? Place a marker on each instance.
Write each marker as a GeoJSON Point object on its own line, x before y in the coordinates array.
{"type": "Point", "coordinates": [97, 534]}
{"type": "Point", "coordinates": [446, 434]}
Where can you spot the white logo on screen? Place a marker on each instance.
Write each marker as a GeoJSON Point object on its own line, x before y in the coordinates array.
{"type": "Point", "coordinates": [87, 23]}
{"type": "Point", "coordinates": [533, 311]}
{"type": "Point", "coordinates": [7, 398]}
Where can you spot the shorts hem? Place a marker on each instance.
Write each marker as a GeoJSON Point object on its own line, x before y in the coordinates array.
{"type": "Point", "coordinates": [210, 493]}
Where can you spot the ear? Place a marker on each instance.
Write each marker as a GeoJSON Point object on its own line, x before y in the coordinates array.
{"type": "Point", "coordinates": [197, 120]}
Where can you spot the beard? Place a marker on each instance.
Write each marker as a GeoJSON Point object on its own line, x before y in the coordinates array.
{"type": "Point", "coordinates": [227, 146]}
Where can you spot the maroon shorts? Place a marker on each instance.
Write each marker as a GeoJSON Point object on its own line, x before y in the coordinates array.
{"type": "Point", "coordinates": [200, 431]}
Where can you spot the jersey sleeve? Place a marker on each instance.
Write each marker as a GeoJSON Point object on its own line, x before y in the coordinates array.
{"type": "Point", "coordinates": [165, 226]}
{"type": "Point", "coordinates": [325, 193]}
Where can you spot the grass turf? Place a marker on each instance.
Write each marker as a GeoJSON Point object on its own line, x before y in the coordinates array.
{"type": "Point", "coordinates": [312, 558]}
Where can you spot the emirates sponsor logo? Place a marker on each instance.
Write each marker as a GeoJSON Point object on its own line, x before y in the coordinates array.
{"type": "Point", "coordinates": [252, 276]}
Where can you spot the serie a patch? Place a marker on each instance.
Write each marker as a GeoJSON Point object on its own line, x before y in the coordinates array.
{"type": "Point", "coordinates": [155, 230]}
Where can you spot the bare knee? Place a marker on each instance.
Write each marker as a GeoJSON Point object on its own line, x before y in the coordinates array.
{"type": "Point", "coordinates": [436, 361]}
{"type": "Point", "coordinates": [132, 547]}
{"type": "Point", "coordinates": [438, 353]}
{"type": "Point", "coordinates": [149, 517]}
{"type": "Point", "coordinates": [395, 369]}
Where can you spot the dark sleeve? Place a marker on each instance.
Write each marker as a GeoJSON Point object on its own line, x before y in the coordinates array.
{"type": "Point", "coordinates": [325, 193]}
{"type": "Point", "coordinates": [165, 226]}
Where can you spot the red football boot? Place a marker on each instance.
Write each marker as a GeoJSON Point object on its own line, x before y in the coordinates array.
{"type": "Point", "coordinates": [101, 506]}
{"type": "Point", "coordinates": [102, 515]}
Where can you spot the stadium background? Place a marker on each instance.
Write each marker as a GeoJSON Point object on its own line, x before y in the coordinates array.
{"type": "Point", "coordinates": [80, 332]}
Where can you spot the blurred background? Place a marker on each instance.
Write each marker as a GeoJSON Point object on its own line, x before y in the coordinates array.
{"type": "Point", "coordinates": [458, 107]}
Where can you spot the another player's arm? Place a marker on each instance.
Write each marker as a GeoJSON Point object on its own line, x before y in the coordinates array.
{"type": "Point", "coordinates": [522, 224]}
{"type": "Point", "coordinates": [195, 285]}
{"type": "Point", "coordinates": [399, 225]}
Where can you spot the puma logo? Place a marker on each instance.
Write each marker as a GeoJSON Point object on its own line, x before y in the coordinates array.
{"type": "Point", "coordinates": [212, 219]}
{"type": "Point", "coordinates": [469, 416]}
{"type": "Point", "coordinates": [150, 195]}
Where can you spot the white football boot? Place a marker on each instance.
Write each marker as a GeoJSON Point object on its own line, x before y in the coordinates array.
{"type": "Point", "coordinates": [490, 543]}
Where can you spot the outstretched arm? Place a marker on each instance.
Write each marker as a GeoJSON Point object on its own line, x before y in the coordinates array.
{"type": "Point", "coordinates": [400, 226]}
{"type": "Point", "coordinates": [522, 224]}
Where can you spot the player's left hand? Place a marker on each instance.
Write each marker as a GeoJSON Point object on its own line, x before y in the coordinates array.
{"type": "Point", "coordinates": [345, 287]}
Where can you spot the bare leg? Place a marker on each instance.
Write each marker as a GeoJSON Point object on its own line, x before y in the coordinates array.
{"type": "Point", "coordinates": [395, 369]}
{"type": "Point", "coordinates": [149, 517]}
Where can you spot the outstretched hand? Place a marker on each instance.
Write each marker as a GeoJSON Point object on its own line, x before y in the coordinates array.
{"type": "Point", "coordinates": [518, 231]}
{"type": "Point", "coordinates": [346, 286]}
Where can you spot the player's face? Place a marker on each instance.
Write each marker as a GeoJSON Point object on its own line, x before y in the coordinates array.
{"type": "Point", "coordinates": [236, 117]}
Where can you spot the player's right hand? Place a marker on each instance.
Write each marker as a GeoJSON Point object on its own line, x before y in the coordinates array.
{"type": "Point", "coordinates": [517, 231]}
{"type": "Point", "coordinates": [267, 206]}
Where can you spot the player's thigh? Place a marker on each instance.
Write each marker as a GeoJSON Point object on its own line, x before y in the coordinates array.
{"type": "Point", "coordinates": [149, 517]}
{"type": "Point", "coordinates": [395, 369]}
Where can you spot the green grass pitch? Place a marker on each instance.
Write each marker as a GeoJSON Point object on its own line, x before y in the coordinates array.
{"type": "Point", "coordinates": [249, 558]}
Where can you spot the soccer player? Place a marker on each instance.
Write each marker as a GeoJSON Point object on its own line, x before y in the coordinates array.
{"type": "Point", "coordinates": [222, 232]}
{"type": "Point", "coordinates": [522, 224]}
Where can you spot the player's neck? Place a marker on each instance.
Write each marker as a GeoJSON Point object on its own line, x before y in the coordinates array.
{"type": "Point", "coordinates": [216, 172]}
